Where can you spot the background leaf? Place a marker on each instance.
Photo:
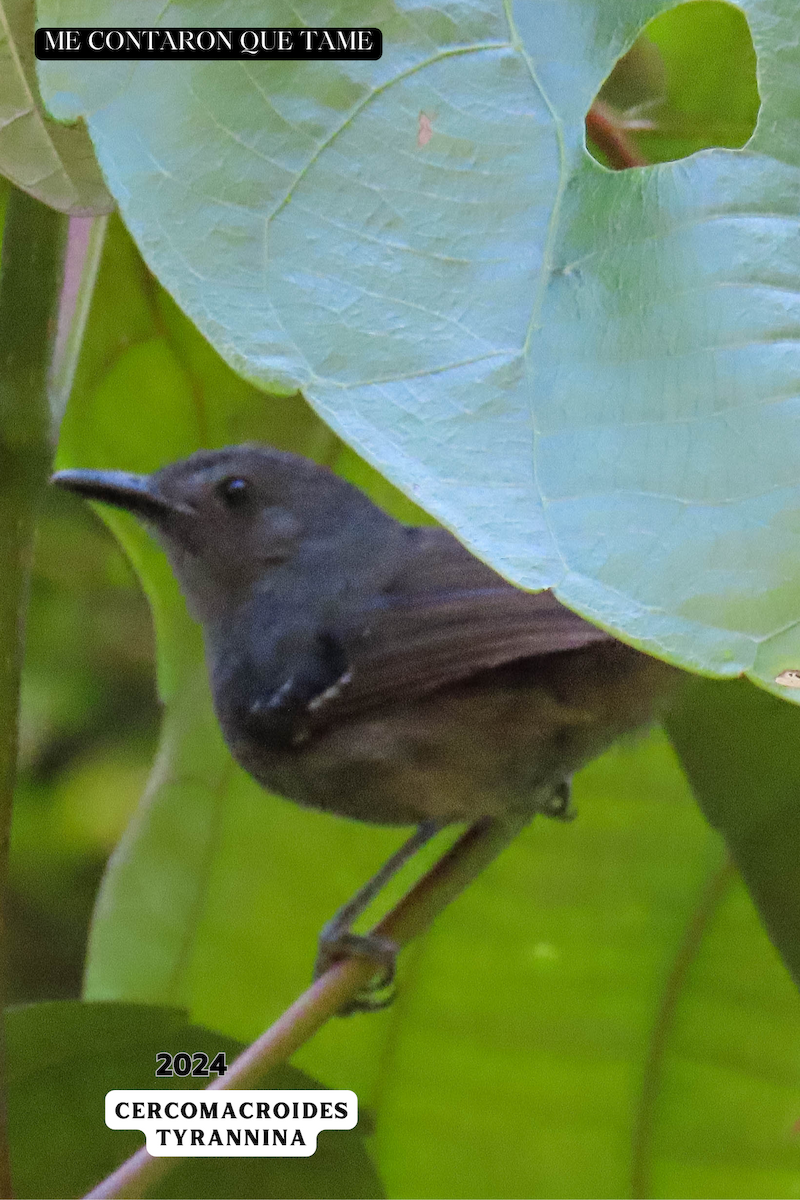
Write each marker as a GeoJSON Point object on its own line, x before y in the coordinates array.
{"type": "Point", "coordinates": [51, 161]}
{"type": "Point", "coordinates": [591, 376]}
{"type": "Point", "coordinates": [63, 1058]}
{"type": "Point", "coordinates": [739, 748]}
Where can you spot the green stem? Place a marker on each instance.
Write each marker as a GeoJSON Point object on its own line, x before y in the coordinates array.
{"type": "Point", "coordinates": [31, 270]}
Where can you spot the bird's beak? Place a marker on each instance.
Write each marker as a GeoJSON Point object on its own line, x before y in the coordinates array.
{"type": "Point", "coordinates": [138, 494]}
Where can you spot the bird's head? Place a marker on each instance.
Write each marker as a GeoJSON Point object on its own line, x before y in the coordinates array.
{"type": "Point", "coordinates": [247, 518]}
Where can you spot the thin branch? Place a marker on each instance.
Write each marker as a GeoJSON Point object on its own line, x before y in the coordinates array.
{"type": "Point", "coordinates": [605, 129]}
{"type": "Point", "coordinates": [473, 851]}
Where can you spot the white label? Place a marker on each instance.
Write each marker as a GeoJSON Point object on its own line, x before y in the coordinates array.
{"type": "Point", "coordinates": [228, 1124]}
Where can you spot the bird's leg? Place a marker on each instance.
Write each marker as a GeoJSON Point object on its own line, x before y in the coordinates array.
{"type": "Point", "coordinates": [337, 939]}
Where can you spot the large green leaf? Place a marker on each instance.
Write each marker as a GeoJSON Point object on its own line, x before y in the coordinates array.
{"type": "Point", "coordinates": [590, 376]}
{"type": "Point", "coordinates": [610, 1011]}
{"type": "Point", "coordinates": [53, 162]}
{"type": "Point", "coordinates": [64, 1057]}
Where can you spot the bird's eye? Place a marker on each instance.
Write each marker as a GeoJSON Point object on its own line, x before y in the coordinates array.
{"type": "Point", "coordinates": [235, 492]}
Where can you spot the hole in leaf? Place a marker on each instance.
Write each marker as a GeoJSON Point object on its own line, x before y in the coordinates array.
{"type": "Point", "coordinates": [687, 83]}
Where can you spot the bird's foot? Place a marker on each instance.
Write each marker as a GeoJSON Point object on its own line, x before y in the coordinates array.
{"type": "Point", "coordinates": [337, 940]}
{"type": "Point", "coordinates": [559, 803]}
{"type": "Point", "coordinates": [336, 943]}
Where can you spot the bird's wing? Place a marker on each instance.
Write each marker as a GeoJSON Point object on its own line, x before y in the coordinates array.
{"type": "Point", "coordinates": [449, 617]}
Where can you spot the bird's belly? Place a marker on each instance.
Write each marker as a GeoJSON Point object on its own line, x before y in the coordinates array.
{"type": "Point", "coordinates": [466, 752]}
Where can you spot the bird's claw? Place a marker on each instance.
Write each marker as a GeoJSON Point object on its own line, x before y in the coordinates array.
{"type": "Point", "coordinates": [559, 803]}
{"type": "Point", "coordinates": [336, 944]}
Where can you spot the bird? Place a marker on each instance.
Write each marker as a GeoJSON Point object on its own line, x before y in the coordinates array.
{"type": "Point", "coordinates": [374, 669]}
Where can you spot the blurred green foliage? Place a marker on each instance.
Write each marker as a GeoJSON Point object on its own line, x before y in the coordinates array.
{"type": "Point", "coordinates": [88, 732]}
